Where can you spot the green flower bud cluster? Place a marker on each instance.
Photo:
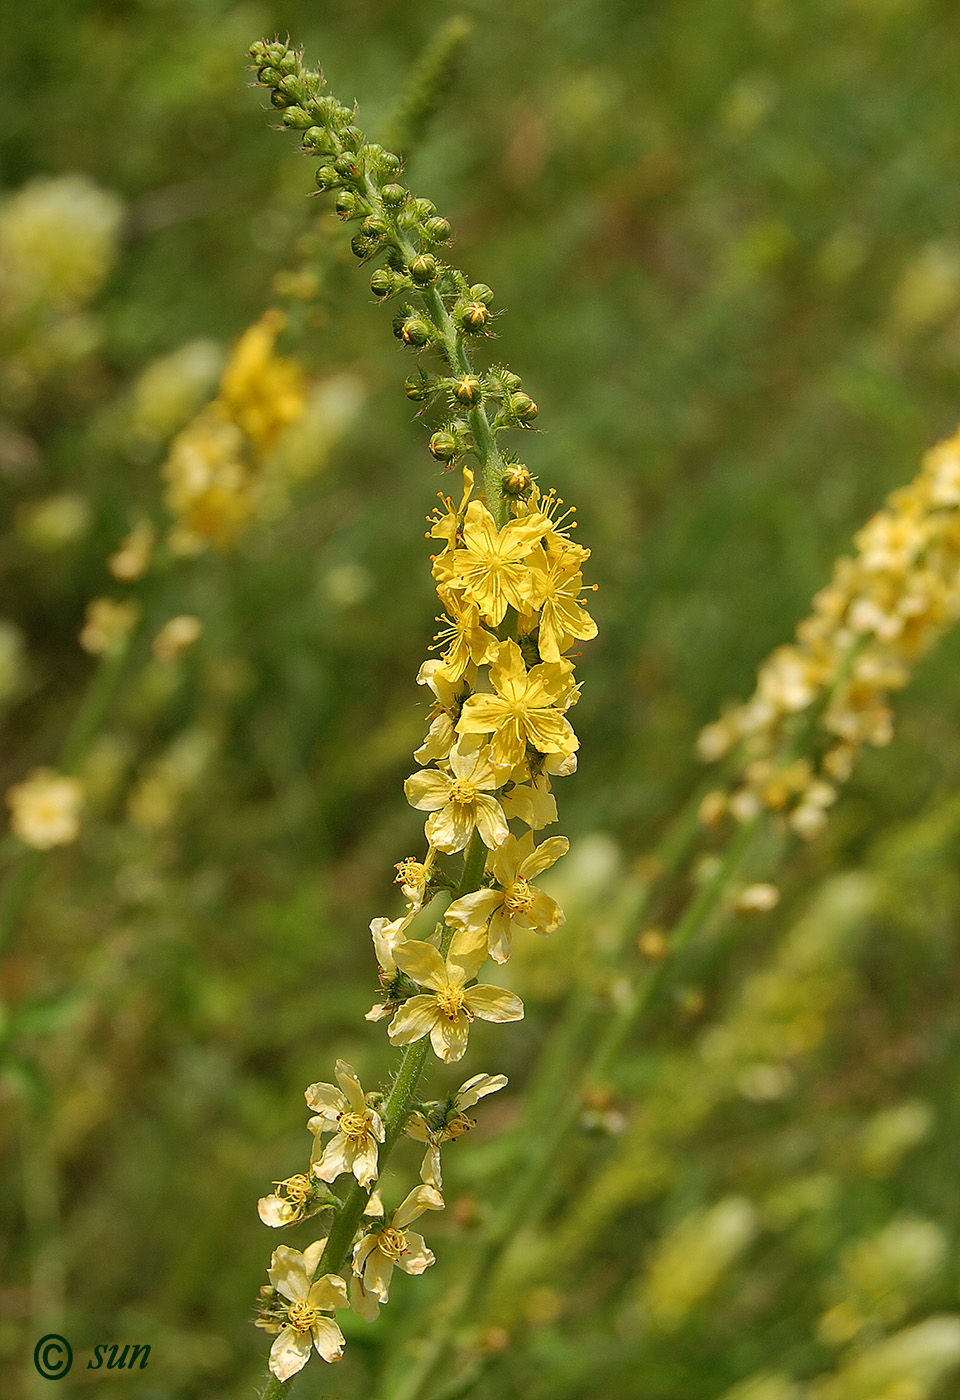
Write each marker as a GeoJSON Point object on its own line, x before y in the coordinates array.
{"type": "Point", "coordinates": [438, 309]}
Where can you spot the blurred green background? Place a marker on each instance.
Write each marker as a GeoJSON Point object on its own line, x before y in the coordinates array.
{"type": "Point", "coordinates": [726, 234]}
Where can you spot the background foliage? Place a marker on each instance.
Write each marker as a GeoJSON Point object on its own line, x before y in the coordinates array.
{"type": "Point", "coordinates": [726, 237]}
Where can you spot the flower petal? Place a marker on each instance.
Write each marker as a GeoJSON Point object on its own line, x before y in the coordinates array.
{"type": "Point", "coordinates": [338, 1157]}
{"type": "Point", "coordinates": [329, 1292]}
{"type": "Point", "coordinates": [427, 790]}
{"type": "Point", "coordinates": [422, 963]}
{"type": "Point", "coordinates": [413, 1021]}
{"type": "Point", "coordinates": [472, 911]}
{"type": "Point", "coordinates": [350, 1084]}
{"type": "Point", "coordinates": [324, 1099]}
{"type": "Point", "coordinates": [494, 1004]}
{"type": "Point", "coordinates": [478, 1088]}
{"type": "Point", "coordinates": [449, 1038]}
{"type": "Point", "coordinates": [413, 1205]}
{"type": "Point", "coordinates": [491, 823]}
{"type": "Point", "coordinates": [288, 1274]}
{"type": "Point", "coordinates": [327, 1338]}
{"type": "Point", "coordinates": [418, 1257]}
{"type": "Point", "coordinates": [290, 1353]}
{"type": "Point", "coordinates": [545, 855]}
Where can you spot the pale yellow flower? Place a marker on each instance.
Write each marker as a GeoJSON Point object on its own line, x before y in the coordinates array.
{"type": "Point", "coordinates": [108, 624]}
{"type": "Point", "coordinates": [379, 1252]}
{"type": "Point", "coordinates": [445, 1012]}
{"type": "Point", "coordinates": [45, 809]}
{"type": "Point", "coordinates": [517, 903]}
{"type": "Point", "coordinates": [531, 803]}
{"type": "Point", "coordinates": [307, 1323]}
{"type": "Point", "coordinates": [558, 584]}
{"type": "Point", "coordinates": [176, 636]}
{"type": "Point", "coordinates": [209, 484]}
{"type": "Point", "coordinates": [132, 559]}
{"type": "Point", "coordinates": [450, 694]}
{"type": "Point", "coordinates": [524, 710]}
{"type": "Point", "coordinates": [448, 1122]}
{"type": "Point", "coordinates": [413, 877]}
{"type": "Point", "coordinates": [358, 1127]}
{"type": "Point", "coordinates": [489, 567]}
{"type": "Point", "coordinates": [387, 936]}
{"type": "Point", "coordinates": [460, 800]}
{"type": "Point", "coordinates": [260, 391]}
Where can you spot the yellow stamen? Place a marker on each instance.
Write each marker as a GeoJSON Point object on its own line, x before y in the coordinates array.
{"type": "Point", "coordinates": [450, 1002]}
{"type": "Point", "coordinates": [518, 897]}
{"type": "Point", "coordinates": [354, 1126]}
{"type": "Point", "coordinates": [462, 794]}
{"type": "Point", "coordinates": [301, 1316]}
{"type": "Point", "coordinates": [392, 1242]}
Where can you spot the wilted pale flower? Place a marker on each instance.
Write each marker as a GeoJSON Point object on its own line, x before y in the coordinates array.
{"type": "Point", "coordinates": [448, 1121]}
{"type": "Point", "coordinates": [288, 1204]}
{"type": "Point", "coordinates": [306, 1323]}
{"type": "Point", "coordinates": [358, 1128]}
{"type": "Point", "coordinates": [108, 624]}
{"type": "Point", "coordinates": [393, 1246]}
{"type": "Point", "coordinates": [45, 809]}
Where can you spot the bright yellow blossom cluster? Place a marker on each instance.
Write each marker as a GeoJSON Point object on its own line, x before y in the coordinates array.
{"type": "Point", "coordinates": [211, 471]}
{"type": "Point", "coordinates": [882, 611]}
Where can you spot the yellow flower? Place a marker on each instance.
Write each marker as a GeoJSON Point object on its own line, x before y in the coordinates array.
{"type": "Point", "coordinates": [468, 645]}
{"type": "Point", "coordinates": [517, 903]}
{"type": "Point", "coordinates": [176, 636]}
{"type": "Point", "coordinates": [358, 1128]}
{"type": "Point", "coordinates": [446, 1011]}
{"type": "Point", "coordinates": [306, 1324]}
{"type": "Point", "coordinates": [393, 1246]}
{"type": "Point", "coordinates": [445, 524]}
{"type": "Point", "coordinates": [132, 559]}
{"type": "Point", "coordinates": [449, 1122]}
{"type": "Point", "coordinates": [557, 584]}
{"type": "Point", "coordinates": [489, 567]}
{"type": "Point", "coordinates": [459, 801]}
{"type": "Point", "coordinates": [45, 809]}
{"type": "Point", "coordinates": [531, 803]}
{"type": "Point", "coordinates": [450, 694]}
{"type": "Point", "coordinates": [523, 710]}
{"type": "Point", "coordinates": [387, 935]}
{"type": "Point", "coordinates": [260, 391]}
{"type": "Point", "coordinates": [209, 485]}
{"type": "Point", "coordinates": [108, 624]}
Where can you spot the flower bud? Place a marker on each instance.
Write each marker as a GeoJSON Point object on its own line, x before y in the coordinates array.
{"type": "Point", "coordinates": [481, 292]}
{"type": "Point", "coordinates": [279, 98]}
{"type": "Point", "coordinates": [517, 481]}
{"type": "Point", "coordinates": [444, 445]}
{"type": "Point", "coordinates": [347, 205]}
{"type": "Point", "coordinates": [423, 208]}
{"type": "Point", "coordinates": [352, 137]}
{"type": "Point", "coordinates": [523, 408]}
{"type": "Point", "coordinates": [420, 386]}
{"type": "Point", "coordinates": [327, 178]}
{"type": "Point", "coordinates": [471, 317]}
{"type": "Point", "coordinates": [346, 167]}
{"type": "Point", "coordinates": [416, 332]}
{"type": "Point", "coordinates": [424, 270]}
{"type": "Point", "coordinates": [436, 230]}
{"type": "Point", "coordinates": [297, 118]}
{"type": "Point", "coordinates": [384, 283]}
{"type": "Point", "coordinates": [393, 196]}
{"type": "Point", "coordinates": [375, 227]}
{"type": "Point", "coordinates": [467, 391]}
{"type": "Point", "coordinates": [317, 141]}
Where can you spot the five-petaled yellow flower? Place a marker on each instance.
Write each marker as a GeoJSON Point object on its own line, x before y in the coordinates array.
{"type": "Point", "coordinates": [517, 903]}
{"type": "Point", "coordinates": [393, 1246]}
{"type": "Point", "coordinates": [468, 644]}
{"type": "Point", "coordinates": [445, 1012]}
{"type": "Point", "coordinates": [558, 584]}
{"type": "Point", "coordinates": [523, 710]}
{"type": "Point", "coordinates": [460, 800]}
{"type": "Point", "coordinates": [489, 567]}
{"type": "Point", "coordinates": [358, 1128]}
{"type": "Point", "coordinates": [307, 1325]}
